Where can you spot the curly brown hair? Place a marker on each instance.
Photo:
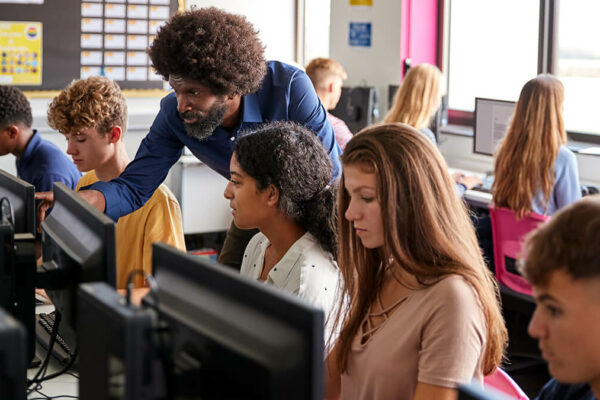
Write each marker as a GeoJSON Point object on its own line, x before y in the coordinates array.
{"type": "Point", "coordinates": [219, 50]}
{"type": "Point", "coordinates": [14, 107]}
{"type": "Point", "coordinates": [95, 102]}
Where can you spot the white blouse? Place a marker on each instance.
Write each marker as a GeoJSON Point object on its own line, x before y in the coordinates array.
{"type": "Point", "coordinates": [306, 270]}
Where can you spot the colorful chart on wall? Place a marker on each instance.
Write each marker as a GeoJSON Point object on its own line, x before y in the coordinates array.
{"type": "Point", "coordinates": [44, 45]}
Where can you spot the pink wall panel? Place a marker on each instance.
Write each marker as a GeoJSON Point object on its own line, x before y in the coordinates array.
{"type": "Point", "coordinates": [419, 31]}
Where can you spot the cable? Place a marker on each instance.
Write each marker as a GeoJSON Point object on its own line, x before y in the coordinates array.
{"type": "Point", "coordinates": [44, 366]}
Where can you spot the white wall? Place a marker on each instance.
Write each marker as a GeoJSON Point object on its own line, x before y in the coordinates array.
{"type": "Point", "coordinates": [274, 19]}
{"type": "Point", "coordinates": [378, 65]}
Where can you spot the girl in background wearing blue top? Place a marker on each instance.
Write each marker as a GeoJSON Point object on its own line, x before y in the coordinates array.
{"type": "Point", "coordinates": [534, 171]}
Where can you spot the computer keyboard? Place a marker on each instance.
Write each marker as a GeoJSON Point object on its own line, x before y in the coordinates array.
{"type": "Point", "coordinates": [486, 186]}
{"type": "Point", "coordinates": [43, 330]}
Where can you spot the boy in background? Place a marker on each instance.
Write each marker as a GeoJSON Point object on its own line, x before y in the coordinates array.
{"type": "Point", "coordinates": [327, 76]}
{"type": "Point", "coordinates": [39, 162]}
{"type": "Point", "coordinates": [92, 115]}
{"type": "Point", "coordinates": [563, 266]}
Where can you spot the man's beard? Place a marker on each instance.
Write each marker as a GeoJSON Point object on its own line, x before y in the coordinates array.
{"type": "Point", "coordinates": [204, 125]}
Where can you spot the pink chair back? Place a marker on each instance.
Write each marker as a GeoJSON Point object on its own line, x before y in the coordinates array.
{"type": "Point", "coordinates": [502, 382]}
{"type": "Point", "coordinates": [508, 235]}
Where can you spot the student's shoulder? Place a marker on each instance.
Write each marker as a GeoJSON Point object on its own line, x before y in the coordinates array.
{"type": "Point", "coordinates": [317, 264]}
{"type": "Point", "coordinates": [451, 292]}
{"type": "Point", "coordinates": [554, 390]}
{"type": "Point", "coordinates": [565, 156]}
{"type": "Point", "coordinates": [163, 195]}
{"type": "Point", "coordinates": [87, 179]}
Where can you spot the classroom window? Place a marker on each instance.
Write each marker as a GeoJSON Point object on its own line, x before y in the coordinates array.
{"type": "Point", "coordinates": [578, 63]}
{"type": "Point", "coordinates": [493, 49]}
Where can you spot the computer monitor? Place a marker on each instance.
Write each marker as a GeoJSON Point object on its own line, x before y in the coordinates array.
{"type": "Point", "coordinates": [78, 245]}
{"type": "Point", "coordinates": [13, 361]}
{"type": "Point", "coordinates": [218, 336]}
{"type": "Point", "coordinates": [490, 124]}
{"type": "Point", "coordinates": [17, 252]}
{"type": "Point", "coordinates": [21, 197]}
{"type": "Point", "coordinates": [358, 107]}
{"type": "Point", "coordinates": [116, 354]}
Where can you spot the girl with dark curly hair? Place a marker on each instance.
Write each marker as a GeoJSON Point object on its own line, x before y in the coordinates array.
{"type": "Point", "coordinates": [280, 184]}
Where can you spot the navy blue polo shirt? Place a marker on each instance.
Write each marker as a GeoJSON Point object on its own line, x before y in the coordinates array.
{"type": "Point", "coordinates": [286, 94]}
{"type": "Point", "coordinates": [43, 163]}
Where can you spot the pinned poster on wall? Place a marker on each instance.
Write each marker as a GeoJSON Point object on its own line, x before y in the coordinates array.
{"type": "Point", "coordinates": [359, 34]}
{"type": "Point", "coordinates": [20, 53]}
{"type": "Point", "coordinates": [364, 3]}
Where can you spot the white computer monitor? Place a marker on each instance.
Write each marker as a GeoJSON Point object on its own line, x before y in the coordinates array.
{"type": "Point", "coordinates": [490, 123]}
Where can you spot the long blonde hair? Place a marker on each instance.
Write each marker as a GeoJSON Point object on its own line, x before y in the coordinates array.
{"type": "Point", "coordinates": [427, 231]}
{"type": "Point", "coordinates": [525, 159]}
{"type": "Point", "coordinates": [417, 98]}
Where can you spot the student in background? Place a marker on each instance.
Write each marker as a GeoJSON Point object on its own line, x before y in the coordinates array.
{"type": "Point", "coordinates": [562, 265]}
{"type": "Point", "coordinates": [417, 99]}
{"type": "Point", "coordinates": [327, 76]}
{"type": "Point", "coordinates": [92, 114]}
{"type": "Point", "coordinates": [280, 184]}
{"type": "Point", "coordinates": [534, 171]}
{"type": "Point", "coordinates": [415, 103]}
{"type": "Point", "coordinates": [424, 314]}
{"type": "Point", "coordinates": [39, 162]}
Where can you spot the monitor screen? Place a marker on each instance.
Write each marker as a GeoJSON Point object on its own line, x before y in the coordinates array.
{"type": "Point", "coordinates": [490, 124]}
{"type": "Point", "coordinates": [78, 245]}
{"type": "Point", "coordinates": [231, 337]}
{"type": "Point", "coordinates": [13, 361]}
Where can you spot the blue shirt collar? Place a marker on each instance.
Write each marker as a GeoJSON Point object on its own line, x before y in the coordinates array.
{"type": "Point", "coordinates": [31, 147]}
{"type": "Point", "coordinates": [251, 109]}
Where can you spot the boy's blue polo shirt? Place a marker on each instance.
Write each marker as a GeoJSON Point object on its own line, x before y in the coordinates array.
{"type": "Point", "coordinates": [286, 94]}
{"type": "Point", "coordinates": [43, 163]}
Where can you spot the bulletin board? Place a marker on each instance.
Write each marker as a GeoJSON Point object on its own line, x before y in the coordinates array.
{"type": "Point", "coordinates": [45, 44]}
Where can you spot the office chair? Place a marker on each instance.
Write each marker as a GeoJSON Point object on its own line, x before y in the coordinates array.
{"type": "Point", "coordinates": [518, 305]}
{"type": "Point", "coordinates": [502, 382]}
{"type": "Point", "coordinates": [508, 234]}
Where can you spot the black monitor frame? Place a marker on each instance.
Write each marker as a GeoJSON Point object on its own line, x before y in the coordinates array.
{"type": "Point", "coordinates": [78, 245]}
{"type": "Point", "coordinates": [17, 253]}
{"type": "Point", "coordinates": [13, 361]}
{"type": "Point", "coordinates": [207, 315]}
{"type": "Point", "coordinates": [21, 196]}
{"type": "Point", "coordinates": [476, 113]}
{"type": "Point", "coordinates": [115, 346]}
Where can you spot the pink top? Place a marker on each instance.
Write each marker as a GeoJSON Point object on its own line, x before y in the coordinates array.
{"type": "Point", "coordinates": [340, 130]}
{"type": "Point", "coordinates": [435, 335]}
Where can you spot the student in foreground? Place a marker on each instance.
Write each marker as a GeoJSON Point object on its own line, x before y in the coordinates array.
{"type": "Point", "coordinates": [424, 314]}
{"type": "Point", "coordinates": [39, 162]}
{"type": "Point", "coordinates": [92, 115]}
{"type": "Point", "coordinates": [280, 176]}
{"type": "Point", "coordinates": [563, 266]}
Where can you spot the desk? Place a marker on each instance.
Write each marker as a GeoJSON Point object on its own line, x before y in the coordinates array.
{"type": "Point", "coordinates": [475, 198]}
